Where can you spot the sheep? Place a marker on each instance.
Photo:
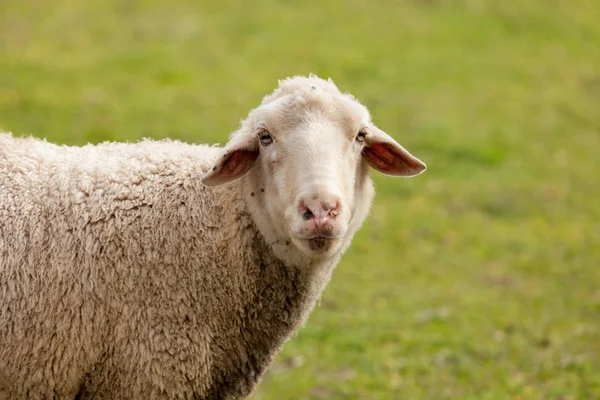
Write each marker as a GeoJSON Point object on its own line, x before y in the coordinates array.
{"type": "Point", "coordinates": [166, 270]}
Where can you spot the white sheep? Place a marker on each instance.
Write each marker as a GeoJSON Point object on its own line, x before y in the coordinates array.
{"type": "Point", "coordinates": [161, 269]}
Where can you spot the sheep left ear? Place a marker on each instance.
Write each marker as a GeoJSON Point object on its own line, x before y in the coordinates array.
{"type": "Point", "coordinates": [385, 155]}
{"type": "Point", "coordinates": [237, 158]}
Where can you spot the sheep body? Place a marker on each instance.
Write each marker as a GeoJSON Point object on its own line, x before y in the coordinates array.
{"type": "Point", "coordinates": [163, 270]}
{"type": "Point", "coordinates": [122, 276]}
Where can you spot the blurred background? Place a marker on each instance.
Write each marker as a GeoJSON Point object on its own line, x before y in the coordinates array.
{"type": "Point", "coordinates": [479, 279]}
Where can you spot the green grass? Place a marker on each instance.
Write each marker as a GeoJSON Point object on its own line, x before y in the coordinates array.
{"type": "Point", "coordinates": [478, 280]}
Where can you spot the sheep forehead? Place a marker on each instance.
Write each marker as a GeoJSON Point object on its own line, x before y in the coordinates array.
{"type": "Point", "coordinates": [309, 101]}
{"type": "Point", "coordinates": [301, 84]}
{"type": "Point", "coordinates": [314, 111]}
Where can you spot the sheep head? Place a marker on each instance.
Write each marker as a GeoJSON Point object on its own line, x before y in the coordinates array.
{"type": "Point", "coordinates": [305, 153]}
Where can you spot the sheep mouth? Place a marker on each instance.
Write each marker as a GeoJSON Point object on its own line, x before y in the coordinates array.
{"type": "Point", "coordinates": [320, 243]}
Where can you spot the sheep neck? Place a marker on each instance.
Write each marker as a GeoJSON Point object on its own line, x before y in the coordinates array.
{"type": "Point", "coordinates": [279, 297]}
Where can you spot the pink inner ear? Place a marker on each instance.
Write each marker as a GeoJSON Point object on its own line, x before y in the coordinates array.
{"type": "Point", "coordinates": [390, 160]}
{"type": "Point", "coordinates": [380, 158]}
{"type": "Point", "coordinates": [237, 164]}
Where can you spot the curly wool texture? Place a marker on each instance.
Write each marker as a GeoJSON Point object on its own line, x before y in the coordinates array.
{"type": "Point", "coordinates": [123, 277]}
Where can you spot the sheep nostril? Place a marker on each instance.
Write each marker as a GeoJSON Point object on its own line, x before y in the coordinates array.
{"type": "Point", "coordinates": [331, 211]}
{"type": "Point", "coordinates": [307, 215]}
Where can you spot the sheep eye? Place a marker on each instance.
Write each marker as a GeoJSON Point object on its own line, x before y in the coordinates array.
{"type": "Point", "coordinates": [361, 136]}
{"type": "Point", "coordinates": [265, 138]}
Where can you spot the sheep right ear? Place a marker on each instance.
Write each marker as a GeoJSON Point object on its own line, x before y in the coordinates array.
{"type": "Point", "coordinates": [237, 159]}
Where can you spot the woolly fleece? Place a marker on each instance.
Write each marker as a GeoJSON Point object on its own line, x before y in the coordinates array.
{"type": "Point", "coordinates": [123, 277]}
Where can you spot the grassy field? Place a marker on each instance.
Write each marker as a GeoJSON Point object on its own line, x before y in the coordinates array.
{"type": "Point", "coordinates": [479, 279]}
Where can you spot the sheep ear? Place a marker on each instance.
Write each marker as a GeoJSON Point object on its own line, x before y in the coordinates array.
{"type": "Point", "coordinates": [237, 158]}
{"type": "Point", "coordinates": [384, 154]}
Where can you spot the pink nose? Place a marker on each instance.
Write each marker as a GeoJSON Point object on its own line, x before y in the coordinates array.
{"type": "Point", "coordinates": [319, 208]}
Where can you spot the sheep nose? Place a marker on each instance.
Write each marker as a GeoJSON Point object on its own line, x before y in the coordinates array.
{"type": "Point", "coordinates": [319, 208]}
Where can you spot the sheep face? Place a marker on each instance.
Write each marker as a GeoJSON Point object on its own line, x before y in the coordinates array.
{"type": "Point", "coordinates": [308, 148]}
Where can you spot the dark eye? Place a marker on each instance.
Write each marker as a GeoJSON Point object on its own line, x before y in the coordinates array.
{"type": "Point", "coordinates": [361, 136]}
{"type": "Point", "coordinates": [265, 138]}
